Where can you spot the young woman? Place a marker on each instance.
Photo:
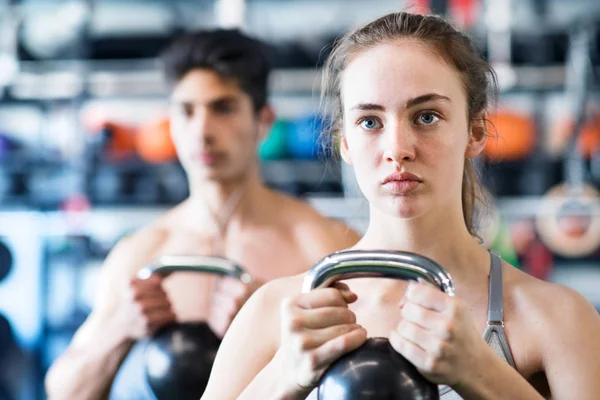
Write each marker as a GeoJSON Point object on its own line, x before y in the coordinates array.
{"type": "Point", "coordinates": [410, 95]}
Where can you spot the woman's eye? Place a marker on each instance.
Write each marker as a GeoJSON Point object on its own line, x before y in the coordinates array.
{"type": "Point", "coordinates": [369, 123]}
{"type": "Point", "coordinates": [427, 119]}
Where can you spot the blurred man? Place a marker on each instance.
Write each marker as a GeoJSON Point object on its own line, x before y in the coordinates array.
{"type": "Point", "coordinates": [219, 114]}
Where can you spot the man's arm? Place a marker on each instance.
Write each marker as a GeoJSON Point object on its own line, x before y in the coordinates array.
{"type": "Point", "coordinates": [87, 368]}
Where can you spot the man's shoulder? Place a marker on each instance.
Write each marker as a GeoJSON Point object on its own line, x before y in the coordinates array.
{"type": "Point", "coordinates": [313, 229]}
{"type": "Point", "coordinates": [137, 249]}
{"type": "Point", "coordinates": [300, 211]}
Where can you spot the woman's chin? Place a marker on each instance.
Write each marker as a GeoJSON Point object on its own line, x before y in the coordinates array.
{"type": "Point", "coordinates": [403, 208]}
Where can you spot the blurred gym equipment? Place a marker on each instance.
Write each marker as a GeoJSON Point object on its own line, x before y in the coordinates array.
{"type": "Point", "coordinates": [568, 219]}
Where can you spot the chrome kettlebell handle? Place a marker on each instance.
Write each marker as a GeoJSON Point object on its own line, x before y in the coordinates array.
{"type": "Point", "coordinates": [381, 264]}
{"type": "Point", "coordinates": [203, 264]}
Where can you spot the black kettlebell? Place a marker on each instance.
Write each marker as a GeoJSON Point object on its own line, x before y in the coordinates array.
{"type": "Point", "coordinates": [178, 358]}
{"type": "Point", "coordinates": [375, 370]}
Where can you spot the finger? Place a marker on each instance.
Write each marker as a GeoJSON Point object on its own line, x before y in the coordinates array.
{"type": "Point", "coordinates": [347, 294]}
{"type": "Point", "coordinates": [427, 318]}
{"type": "Point", "coordinates": [152, 280]}
{"type": "Point", "coordinates": [159, 318]}
{"type": "Point", "coordinates": [411, 351]}
{"type": "Point", "coordinates": [426, 296]}
{"type": "Point", "coordinates": [151, 304]}
{"type": "Point", "coordinates": [326, 297]}
{"type": "Point", "coordinates": [139, 294]}
{"type": "Point", "coordinates": [345, 289]}
{"type": "Point", "coordinates": [232, 286]}
{"type": "Point", "coordinates": [150, 285]}
{"type": "Point", "coordinates": [219, 323]}
{"type": "Point", "coordinates": [313, 338]}
{"type": "Point", "coordinates": [419, 336]}
{"type": "Point", "coordinates": [337, 347]}
{"type": "Point", "coordinates": [159, 324]}
{"type": "Point", "coordinates": [223, 303]}
{"type": "Point", "coordinates": [326, 316]}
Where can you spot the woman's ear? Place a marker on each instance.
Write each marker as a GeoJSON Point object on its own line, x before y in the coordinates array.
{"type": "Point", "coordinates": [477, 137]}
{"type": "Point", "coordinates": [344, 150]}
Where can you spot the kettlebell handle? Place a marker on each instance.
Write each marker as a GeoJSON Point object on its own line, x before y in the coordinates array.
{"type": "Point", "coordinates": [203, 264]}
{"type": "Point", "coordinates": [382, 264]}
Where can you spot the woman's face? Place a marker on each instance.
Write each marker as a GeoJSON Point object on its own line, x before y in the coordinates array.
{"type": "Point", "coordinates": [406, 129]}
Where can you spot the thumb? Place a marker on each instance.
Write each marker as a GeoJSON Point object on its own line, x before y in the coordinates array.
{"type": "Point", "coordinates": [348, 295]}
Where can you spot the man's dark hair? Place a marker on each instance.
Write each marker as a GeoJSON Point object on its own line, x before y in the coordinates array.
{"type": "Point", "coordinates": [229, 53]}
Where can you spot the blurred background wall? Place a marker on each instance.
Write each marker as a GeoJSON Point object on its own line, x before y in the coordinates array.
{"type": "Point", "coordinates": [85, 155]}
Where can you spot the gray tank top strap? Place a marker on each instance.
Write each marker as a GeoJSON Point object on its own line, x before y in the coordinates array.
{"type": "Point", "coordinates": [495, 298]}
{"type": "Point", "coordinates": [494, 332]}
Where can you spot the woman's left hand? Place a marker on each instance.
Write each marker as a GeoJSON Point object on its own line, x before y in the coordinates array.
{"type": "Point", "coordinates": [438, 335]}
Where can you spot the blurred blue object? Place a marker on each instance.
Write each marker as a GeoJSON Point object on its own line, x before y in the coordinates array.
{"type": "Point", "coordinates": [304, 138]}
{"type": "Point", "coordinates": [20, 290]}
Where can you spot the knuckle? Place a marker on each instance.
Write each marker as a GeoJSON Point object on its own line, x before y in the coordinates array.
{"type": "Point", "coordinates": [336, 295]}
{"type": "Point", "coordinates": [439, 349]}
{"type": "Point", "coordinates": [238, 302]}
{"type": "Point", "coordinates": [303, 343]}
{"type": "Point", "coordinates": [341, 340]}
{"type": "Point", "coordinates": [295, 323]}
{"type": "Point", "coordinates": [454, 307]}
{"type": "Point", "coordinates": [288, 303]}
{"type": "Point", "coordinates": [344, 342]}
{"type": "Point", "coordinates": [410, 310]}
{"type": "Point", "coordinates": [328, 295]}
{"type": "Point", "coordinates": [418, 312]}
{"type": "Point", "coordinates": [312, 360]}
{"type": "Point", "coordinates": [449, 327]}
{"type": "Point", "coordinates": [349, 316]}
{"type": "Point", "coordinates": [401, 326]}
{"type": "Point", "coordinates": [432, 364]}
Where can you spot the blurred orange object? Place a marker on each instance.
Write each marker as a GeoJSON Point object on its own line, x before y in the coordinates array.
{"type": "Point", "coordinates": [120, 140]}
{"type": "Point", "coordinates": [154, 143]}
{"type": "Point", "coordinates": [116, 140]}
{"type": "Point", "coordinates": [511, 136]}
{"type": "Point", "coordinates": [589, 138]}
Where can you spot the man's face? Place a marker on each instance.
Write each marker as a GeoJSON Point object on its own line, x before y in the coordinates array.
{"type": "Point", "coordinates": [215, 127]}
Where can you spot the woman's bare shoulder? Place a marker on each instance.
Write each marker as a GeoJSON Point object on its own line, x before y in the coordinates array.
{"type": "Point", "coordinates": [272, 293]}
{"type": "Point", "coordinates": [546, 304]}
{"type": "Point", "coordinates": [251, 341]}
{"type": "Point", "coordinates": [262, 310]}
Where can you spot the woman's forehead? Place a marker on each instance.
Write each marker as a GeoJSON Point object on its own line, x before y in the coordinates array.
{"type": "Point", "coordinates": [395, 72]}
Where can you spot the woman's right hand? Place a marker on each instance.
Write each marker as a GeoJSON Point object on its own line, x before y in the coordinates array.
{"type": "Point", "coordinates": [317, 328]}
{"type": "Point", "coordinates": [145, 308]}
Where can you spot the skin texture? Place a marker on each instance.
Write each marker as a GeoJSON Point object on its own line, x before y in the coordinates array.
{"type": "Point", "coordinates": [387, 128]}
{"type": "Point", "coordinates": [216, 132]}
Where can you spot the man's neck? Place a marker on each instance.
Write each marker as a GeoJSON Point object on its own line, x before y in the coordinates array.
{"type": "Point", "coordinates": [229, 201]}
